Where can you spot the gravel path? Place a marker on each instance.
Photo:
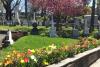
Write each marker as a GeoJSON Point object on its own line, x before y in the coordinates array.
{"type": "Point", "coordinates": [2, 36]}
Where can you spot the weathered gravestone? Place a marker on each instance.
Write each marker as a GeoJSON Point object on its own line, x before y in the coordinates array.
{"type": "Point", "coordinates": [34, 31]}
{"type": "Point", "coordinates": [97, 35]}
{"type": "Point", "coordinates": [86, 27]}
{"type": "Point", "coordinates": [9, 40]}
{"type": "Point", "coordinates": [52, 32]}
{"type": "Point", "coordinates": [88, 19]}
{"type": "Point", "coordinates": [75, 32]}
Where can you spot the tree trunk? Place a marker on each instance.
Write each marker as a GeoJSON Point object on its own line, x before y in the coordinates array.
{"type": "Point", "coordinates": [8, 14]}
{"type": "Point", "coordinates": [92, 17]}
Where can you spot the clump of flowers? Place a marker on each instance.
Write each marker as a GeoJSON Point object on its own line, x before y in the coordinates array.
{"type": "Point", "coordinates": [46, 56]}
{"type": "Point", "coordinates": [85, 44]}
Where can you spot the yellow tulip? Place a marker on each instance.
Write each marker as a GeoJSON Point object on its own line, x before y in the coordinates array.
{"type": "Point", "coordinates": [0, 63]}
{"type": "Point", "coordinates": [22, 61]}
{"type": "Point", "coordinates": [52, 46]}
{"type": "Point", "coordinates": [8, 56]}
{"type": "Point", "coordinates": [33, 51]}
{"type": "Point", "coordinates": [45, 62]}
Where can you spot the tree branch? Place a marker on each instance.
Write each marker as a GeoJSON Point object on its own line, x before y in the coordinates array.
{"type": "Point", "coordinates": [17, 3]}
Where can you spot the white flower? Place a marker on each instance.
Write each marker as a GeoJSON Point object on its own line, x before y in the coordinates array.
{"type": "Point", "coordinates": [33, 58]}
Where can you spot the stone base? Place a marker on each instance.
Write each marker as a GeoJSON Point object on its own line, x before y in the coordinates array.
{"type": "Point", "coordinates": [75, 33]}
{"type": "Point", "coordinates": [52, 33]}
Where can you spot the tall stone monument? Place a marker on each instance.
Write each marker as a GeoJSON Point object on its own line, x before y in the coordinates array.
{"type": "Point", "coordinates": [10, 40]}
{"type": "Point", "coordinates": [86, 26]}
{"type": "Point", "coordinates": [52, 32]}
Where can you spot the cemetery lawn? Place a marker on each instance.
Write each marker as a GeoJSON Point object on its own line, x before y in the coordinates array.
{"type": "Point", "coordinates": [19, 28]}
{"type": "Point", "coordinates": [34, 42]}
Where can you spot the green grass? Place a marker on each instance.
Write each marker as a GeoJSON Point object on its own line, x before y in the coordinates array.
{"type": "Point", "coordinates": [19, 28]}
{"type": "Point", "coordinates": [16, 28]}
{"type": "Point", "coordinates": [34, 42]}
{"type": "Point", "coordinates": [39, 41]}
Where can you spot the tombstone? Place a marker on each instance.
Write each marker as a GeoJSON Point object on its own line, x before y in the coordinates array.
{"type": "Point", "coordinates": [88, 19]}
{"type": "Point", "coordinates": [52, 32]}
{"type": "Point", "coordinates": [34, 31]}
{"type": "Point", "coordinates": [10, 40]}
{"type": "Point", "coordinates": [76, 23]}
{"type": "Point", "coordinates": [97, 35]}
{"type": "Point", "coordinates": [86, 28]}
{"type": "Point", "coordinates": [75, 32]}
{"type": "Point", "coordinates": [34, 19]}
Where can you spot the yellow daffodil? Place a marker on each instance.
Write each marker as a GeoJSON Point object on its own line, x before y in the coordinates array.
{"type": "Point", "coordinates": [14, 51]}
{"type": "Point", "coordinates": [0, 63]}
{"type": "Point", "coordinates": [45, 62]}
{"type": "Point", "coordinates": [33, 51]}
{"type": "Point", "coordinates": [8, 56]}
{"type": "Point", "coordinates": [22, 61]}
{"type": "Point", "coordinates": [52, 46]}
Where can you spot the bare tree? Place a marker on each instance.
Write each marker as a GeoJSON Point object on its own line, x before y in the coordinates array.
{"type": "Point", "coordinates": [9, 6]}
{"type": "Point", "coordinates": [17, 14]}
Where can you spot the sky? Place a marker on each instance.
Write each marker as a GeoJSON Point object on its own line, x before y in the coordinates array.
{"type": "Point", "coordinates": [22, 6]}
{"type": "Point", "coordinates": [91, 3]}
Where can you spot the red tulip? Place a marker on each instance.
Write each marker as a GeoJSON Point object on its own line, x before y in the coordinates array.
{"type": "Point", "coordinates": [26, 60]}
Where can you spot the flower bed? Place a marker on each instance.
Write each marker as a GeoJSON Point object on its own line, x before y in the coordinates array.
{"type": "Point", "coordinates": [48, 55]}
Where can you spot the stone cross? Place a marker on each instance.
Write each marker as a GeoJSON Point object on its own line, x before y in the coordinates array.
{"type": "Point", "coordinates": [34, 19]}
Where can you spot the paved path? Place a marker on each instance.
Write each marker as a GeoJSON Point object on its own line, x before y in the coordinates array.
{"type": "Point", "coordinates": [2, 36]}
{"type": "Point", "coordinates": [96, 64]}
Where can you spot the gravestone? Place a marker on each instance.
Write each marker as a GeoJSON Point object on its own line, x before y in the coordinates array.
{"type": "Point", "coordinates": [75, 31]}
{"type": "Point", "coordinates": [34, 19]}
{"type": "Point", "coordinates": [86, 28]}
{"type": "Point", "coordinates": [34, 31]}
{"type": "Point", "coordinates": [76, 23]}
{"type": "Point", "coordinates": [10, 40]}
{"type": "Point", "coordinates": [88, 19]}
{"type": "Point", "coordinates": [52, 32]}
{"type": "Point", "coordinates": [97, 35]}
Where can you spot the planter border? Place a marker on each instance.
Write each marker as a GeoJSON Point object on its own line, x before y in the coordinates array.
{"type": "Point", "coordinates": [84, 59]}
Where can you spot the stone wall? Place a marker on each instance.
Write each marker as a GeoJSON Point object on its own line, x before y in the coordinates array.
{"type": "Point", "coordinates": [84, 59]}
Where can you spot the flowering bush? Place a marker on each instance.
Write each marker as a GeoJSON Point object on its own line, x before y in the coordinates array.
{"type": "Point", "coordinates": [46, 56]}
